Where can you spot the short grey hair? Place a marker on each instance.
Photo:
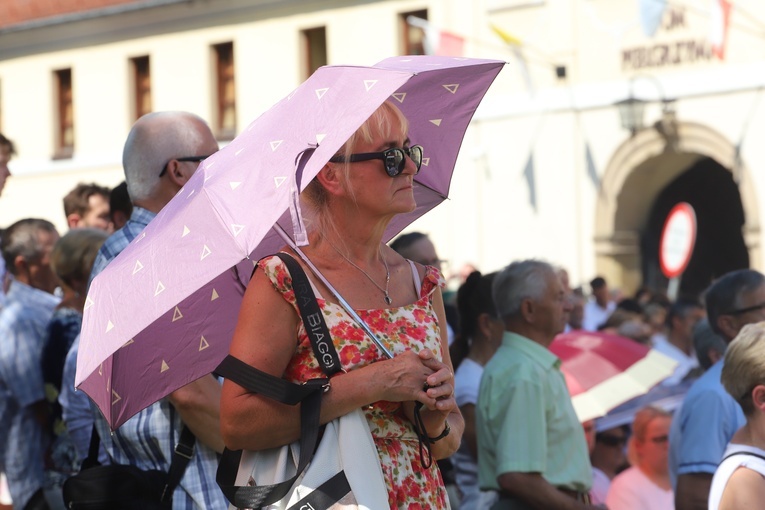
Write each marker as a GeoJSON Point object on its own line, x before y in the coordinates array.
{"type": "Point", "coordinates": [21, 239]}
{"type": "Point", "coordinates": [524, 279]}
{"type": "Point", "coordinates": [725, 295]}
{"type": "Point", "coordinates": [154, 139]}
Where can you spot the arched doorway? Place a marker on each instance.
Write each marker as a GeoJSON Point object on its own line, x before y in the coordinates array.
{"type": "Point", "coordinates": [639, 183]}
{"type": "Point", "coordinates": [711, 191]}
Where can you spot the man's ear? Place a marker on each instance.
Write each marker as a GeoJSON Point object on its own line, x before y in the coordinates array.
{"type": "Point", "coordinates": [528, 309]}
{"type": "Point", "coordinates": [758, 397]}
{"type": "Point", "coordinates": [22, 268]}
{"type": "Point", "coordinates": [728, 325]}
{"type": "Point", "coordinates": [175, 173]}
{"type": "Point", "coordinates": [73, 220]}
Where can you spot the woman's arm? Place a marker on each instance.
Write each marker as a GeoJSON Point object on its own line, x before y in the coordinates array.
{"type": "Point", "coordinates": [265, 337]}
{"type": "Point", "coordinates": [441, 381]}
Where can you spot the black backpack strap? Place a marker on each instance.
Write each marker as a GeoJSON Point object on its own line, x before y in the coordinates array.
{"type": "Point", "coordinates": [307, 394]}
{"type": "Point", "coordinates": [92, 459]}
{"type": "Point", "coordinates": [182, 454]}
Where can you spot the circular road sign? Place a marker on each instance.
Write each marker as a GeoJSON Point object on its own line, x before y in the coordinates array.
{"type": "Point", "coordinates": [677, 240]}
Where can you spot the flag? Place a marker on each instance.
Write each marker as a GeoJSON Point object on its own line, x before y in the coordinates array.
{"type": "Point", "coordinates": [719, 18]}
{"type": "Point", "coordinates": [516, 46]}
{"type": "Point", "coordinates": [528, 174]}
{"type": "Point", "coordinates": [651, 13]}
{"type": "Point", "coordinates": [438, 42]}
{"type": "Point", "coordinates": [592, 171]}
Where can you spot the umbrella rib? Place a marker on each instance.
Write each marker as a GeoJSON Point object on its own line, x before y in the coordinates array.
{"type": "Point", "coordinates": [419, 183]}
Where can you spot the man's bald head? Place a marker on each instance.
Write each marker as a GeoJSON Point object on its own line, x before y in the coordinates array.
{"type": "Point", "coordinates": [157, 138]}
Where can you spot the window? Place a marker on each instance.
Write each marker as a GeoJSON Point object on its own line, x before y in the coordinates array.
{"type": "Point", "coordinates": [413, 38]}
{"type": "Point", "coordinates": [141, 75]}
{"type": "Point", "coordinates": [315, 44]}
{"type": "Point", "coordinates": [225, 118]}
{"type": "Point", "coordinates": [65, 114]}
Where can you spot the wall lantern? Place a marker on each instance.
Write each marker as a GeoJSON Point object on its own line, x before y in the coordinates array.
{"type": "Point", "coordinates": [632, 109]}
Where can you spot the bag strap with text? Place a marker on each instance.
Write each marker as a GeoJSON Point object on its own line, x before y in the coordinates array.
{"type": "Point", "coordinates": [307, 394]}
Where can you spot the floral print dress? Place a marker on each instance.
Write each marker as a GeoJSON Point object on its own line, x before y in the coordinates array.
{"type": "Point", "coordinates": [414, 327]}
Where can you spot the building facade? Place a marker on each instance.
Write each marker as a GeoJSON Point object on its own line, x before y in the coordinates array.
{"type": "Point", "coordinates": [546, 169]}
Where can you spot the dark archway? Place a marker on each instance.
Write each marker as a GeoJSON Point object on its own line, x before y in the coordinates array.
{"type": "Point", "coordinates": [720, 246]}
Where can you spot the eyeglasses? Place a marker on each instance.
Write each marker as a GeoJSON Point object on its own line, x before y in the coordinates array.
{"type": "Point", "coordinates": [394, 159]}
{"type": "Point", "coordinates": [196, 159]}
{"type": "Point", "coordinates": [742, 311]}
{"type": "Point", "coordinates": [611, 440]}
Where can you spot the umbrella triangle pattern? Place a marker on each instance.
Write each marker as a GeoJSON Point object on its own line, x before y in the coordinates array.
{"type": "Point", "coordinates": [176, 289]}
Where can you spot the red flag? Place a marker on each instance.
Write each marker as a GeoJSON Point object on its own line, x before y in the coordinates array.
{"type": "Point", "coordinates": [720, 18]}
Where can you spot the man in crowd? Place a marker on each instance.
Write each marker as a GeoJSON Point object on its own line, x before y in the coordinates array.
{"type": "Point", "coordinates": [599, 307]}
{"type": "Point", "coordinates": [120, 207]}
{"type": "Point", "coordinates": [531, 447]}
{"type": "Point", "coordinates": [26, 248]}
{"type": "Point", "coordinates": [7, 150]}
{"type": "Point", "coordinates": [87, 206]}
{"type": "Point", "coordinates": [157, 163]}
{"type": "Point", "coordinates": [709, 415]}
{"type": "Point", "coordinates": [682, 317]}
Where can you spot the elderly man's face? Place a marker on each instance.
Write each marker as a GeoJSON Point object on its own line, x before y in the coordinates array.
{"type": "Point", "coordinates": [5, 157]}
{"type": "Point", "coordinates": [554, 307]}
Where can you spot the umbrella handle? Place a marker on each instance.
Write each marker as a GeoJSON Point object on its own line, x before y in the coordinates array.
{"type": "Point", "coordinates": [348, 308]}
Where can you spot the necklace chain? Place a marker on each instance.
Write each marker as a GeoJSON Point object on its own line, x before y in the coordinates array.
{"type": "Point", "coordinates": [387, 298]}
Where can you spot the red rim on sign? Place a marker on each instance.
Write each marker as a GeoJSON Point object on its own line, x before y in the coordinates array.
{"type": "Point", "coordinates": [677, 240]}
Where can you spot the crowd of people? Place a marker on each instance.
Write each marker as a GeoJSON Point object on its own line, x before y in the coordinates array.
{"type": "Point", "coordinates": [496, 410]}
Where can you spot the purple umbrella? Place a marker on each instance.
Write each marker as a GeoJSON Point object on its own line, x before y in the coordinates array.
{"type": "Point", "coordinates": [162, 314]}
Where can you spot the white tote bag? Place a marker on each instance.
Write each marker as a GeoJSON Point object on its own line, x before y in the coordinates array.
{"type": "Point", "coordinates": [346, 453]}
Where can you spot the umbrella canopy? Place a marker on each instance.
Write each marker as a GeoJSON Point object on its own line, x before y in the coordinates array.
{"type": "Point", "coordinates": [603, 371]}
{"type": "Point", "coordinates": [163, 312]}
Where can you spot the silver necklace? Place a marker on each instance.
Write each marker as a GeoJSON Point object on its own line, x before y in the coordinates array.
{"type": "Point", "coordinates": [387, 298]}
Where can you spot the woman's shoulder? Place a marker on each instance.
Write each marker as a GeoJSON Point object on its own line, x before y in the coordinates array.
{"type": "Point", "coordinates": [276, 271]}
{"type": "Point", "coordinates": [432, 280]}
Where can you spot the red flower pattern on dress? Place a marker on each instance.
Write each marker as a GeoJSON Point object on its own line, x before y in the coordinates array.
{"type": "Point", "coordinates": [414, 327]}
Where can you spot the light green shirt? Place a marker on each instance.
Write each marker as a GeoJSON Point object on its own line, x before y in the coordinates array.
{"type": "Point", "coordinates": [525, 420]}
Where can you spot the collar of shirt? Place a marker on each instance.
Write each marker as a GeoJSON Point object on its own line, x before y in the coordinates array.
{"type": "Point", "coordinates": [532, 349]}
{"type": "Point", "coordinates": [29, 296]}
{"type": "Point", "coordinates": [141, 216]}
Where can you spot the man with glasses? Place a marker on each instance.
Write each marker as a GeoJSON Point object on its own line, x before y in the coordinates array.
{"type": "Point", "coordinates": [709, 416]}
{"type": "Point", "coordinates": [162, 152]}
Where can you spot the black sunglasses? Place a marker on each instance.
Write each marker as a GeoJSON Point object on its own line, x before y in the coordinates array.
{"type": "Point", "coordinates": [611, 440]}
{"type": "Point", "coordinates": [742, 311]}
{"type": "Point", "coordinates": [185, 158]}
{"type": "Point", "coordinates": [394, 159]}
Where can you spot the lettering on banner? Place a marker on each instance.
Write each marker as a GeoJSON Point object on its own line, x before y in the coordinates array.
{"type": "Point", "coordinates": [688, 50]}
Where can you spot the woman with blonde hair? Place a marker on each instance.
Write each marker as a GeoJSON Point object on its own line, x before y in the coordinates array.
{"type": "Point", "coordinates": [739, 481]}
{"type": "Point", "coordinates": [645, 485]}
{"type": "Point", "coordinates": [353, 198]}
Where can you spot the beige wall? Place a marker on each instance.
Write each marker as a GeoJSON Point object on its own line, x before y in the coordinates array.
{"type": "Point", "coordinates": [488, 220]}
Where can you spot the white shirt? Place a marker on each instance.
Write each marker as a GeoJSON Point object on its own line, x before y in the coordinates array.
{"type": "Point", "coordinates": [594, 315]}
{"type": "Point", "coordinates": [633, 490]}
{"type": "Point", "coordinates": [467, 380]}
{"type": "Point", "coordinates": [685, 362]}
{"type": "Point", "coordinates": [729, 465]}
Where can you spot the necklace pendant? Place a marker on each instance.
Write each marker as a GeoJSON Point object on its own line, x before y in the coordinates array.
{"type": "Point", "coordinates": [388, 300]}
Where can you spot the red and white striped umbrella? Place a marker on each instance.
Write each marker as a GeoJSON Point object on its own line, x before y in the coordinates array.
{"type": "Point", "coordinates": [603, 371]}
